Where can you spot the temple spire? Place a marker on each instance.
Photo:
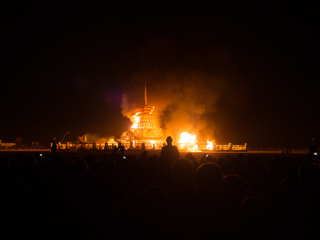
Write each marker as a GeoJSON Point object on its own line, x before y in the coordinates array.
{"type": "Point", "coordinates": [145, 94]}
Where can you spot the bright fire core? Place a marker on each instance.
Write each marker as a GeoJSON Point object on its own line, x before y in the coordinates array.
{"type": "Point", "coordinates": [146, 133]}
{"type": "Point", "coordinates": [188, 142]}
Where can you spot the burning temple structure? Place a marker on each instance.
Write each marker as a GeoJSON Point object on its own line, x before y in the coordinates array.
{"type": "Point", "coordinates": [145, 132]}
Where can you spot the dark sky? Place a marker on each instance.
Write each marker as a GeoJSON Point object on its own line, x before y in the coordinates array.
{"type": "Point", "coordinates": [66, 66]}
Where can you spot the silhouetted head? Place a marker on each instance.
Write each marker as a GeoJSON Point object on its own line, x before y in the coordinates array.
{"type": "Point", "coordinates": [193, 159]}
{"type": "Point", "coordinates": [169, 140]}
{"type": "Point", "coordinates": [210, 159]}
{"type": "Point", "coordinates": [312, 149]}
{"type": "Point", "coordinates": [152, 163]}
{"type": "Point", "coordinates": [288, 190]}
{"type": "Point", "coordinates": [309, 172]}
{"type": "Point", "coordinates": [79, 168]}
{"type": "Point", "coordinates": [208, 177]}
{"type": "Point", "coordinates": [190, 157]}
{"type": "Point", "coordinates": [235, 186]}
{"type": "Point", "coordinates": [182, 170]}
{"type": "Point", "coordinates": [145, 153]}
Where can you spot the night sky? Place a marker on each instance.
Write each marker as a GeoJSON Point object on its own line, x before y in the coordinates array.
{"type": "Point", "coordinates": [253, 66]}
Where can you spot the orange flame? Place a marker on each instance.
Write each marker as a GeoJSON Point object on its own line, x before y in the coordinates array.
{"type": "Point", "coordinates": [209, 145]}
{"type": "Point", "coordinates": [188, 142]}
{"type": "Point", "coordinates": [187, 138]}
{"type": "Point", "coordinates": [135, 119]}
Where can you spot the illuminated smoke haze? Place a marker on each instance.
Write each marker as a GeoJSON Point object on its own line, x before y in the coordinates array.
{"type": "Point", "coordinates": [183, 100]}
{"type": "Point", "coordinates": [95, 138]}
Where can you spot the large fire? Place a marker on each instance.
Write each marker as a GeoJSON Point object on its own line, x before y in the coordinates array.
{"type": "Point", "coordinates": [146, 133]}
{"type": "Point", "coordinates": [135, 119]}
{"type": "Point", "coordinates": [209, 145]}
{"type": "Point", "coordinates": [188, 142]}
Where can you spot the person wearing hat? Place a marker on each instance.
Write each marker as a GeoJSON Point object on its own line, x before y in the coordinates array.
{"type": "Point", "coordinates": [169, 153]}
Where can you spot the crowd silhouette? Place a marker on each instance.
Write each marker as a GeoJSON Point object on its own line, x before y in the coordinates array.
{"type": "Point", "coordinates": [144, 197]}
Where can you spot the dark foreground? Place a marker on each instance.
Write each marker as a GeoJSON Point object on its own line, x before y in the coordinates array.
{"type": "Point", "coordinates": [100, 195]}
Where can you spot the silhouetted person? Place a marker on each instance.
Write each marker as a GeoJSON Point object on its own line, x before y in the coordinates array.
{"type": "Point", "coordinates": [235, 190]}
{"type": "Point", "coordinates": [169, 153]}
{"type": "Point", "coordinates": [209, 182]}
{"type": "Point", "coordinates": [53, 147]}
{"type": "Point", "coordinates": [193, 159]}
{"type": "Point", "coordinates": [209, 214]}
{"type": "Point", "coordinates": [183, 194]}
{"type": "Point", "coordinates": [143, 157]}
{"type": "Point", "coordinates": [312, 150]}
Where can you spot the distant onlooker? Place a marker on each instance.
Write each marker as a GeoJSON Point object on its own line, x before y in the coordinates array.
{"type": "Point", "coordinates": [169, 153]}
{"type": "Point", "coordinates": [53, 147]}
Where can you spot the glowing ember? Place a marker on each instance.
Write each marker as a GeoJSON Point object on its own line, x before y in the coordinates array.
{"type": "Point", "coordinates": [188, 142]}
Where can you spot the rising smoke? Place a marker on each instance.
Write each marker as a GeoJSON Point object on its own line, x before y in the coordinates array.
{"type": "Point", "coordinates": [183, 100]}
